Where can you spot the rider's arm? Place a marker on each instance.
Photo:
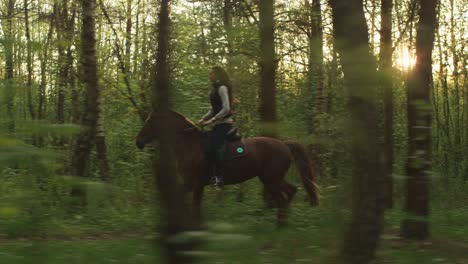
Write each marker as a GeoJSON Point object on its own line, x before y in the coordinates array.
{"type": "Point", "coordinates": [208, 115]}
{"type": "Point", "coordinates": [223, 93]}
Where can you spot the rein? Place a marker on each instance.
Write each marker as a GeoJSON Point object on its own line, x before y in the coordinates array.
{"type": "Point", "coordinates": [191, 128]}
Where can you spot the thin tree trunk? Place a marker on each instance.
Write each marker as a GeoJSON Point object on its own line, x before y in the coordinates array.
{"type": "Point", "coordinates": [227, 21]}
{"type": "Point", "coordinates": [373, 14]}
{"type": "Point", "coordinates": [332, 76]}
{"type": "Point", "coordinates": [465, 110]}
{"type": "Point", "coordinates": [101, 147]}
{"type": "Point", "coordinates": [316, 81]}
{"type": "Point", "coordinates": [446, 101]}
{"type": "Point", "coordinates": [444, 122]}
{"type": "Point", "coordinates": [43, 58]}
{"type": "Point", "coordinates": [418, 166]}
{"type": "Point", "coordinates": [136, 53]}
{"type": "Point", "coordinates": [359, 68]}
{"type": "Point", "coordinates": [142, 111]}
{"type": "Point", "coordinates": [9, 81]}
{"type": "Point", "coordinates": [457, 151]}
{"type": "Point", "coordinates": [75, 102]}
{"type": "Point", "coordinates": [268, 65]}
{"type": "Point", "coordinates": [128, 36]}
{"type": "Point", "coordinates": [62, 78]}
{"type": "Point", "coordinates": [387, 84]}
{"type": "Point", "coordinates": [32, 113]}
{"type": "Point", "coordinates": [92, 107]}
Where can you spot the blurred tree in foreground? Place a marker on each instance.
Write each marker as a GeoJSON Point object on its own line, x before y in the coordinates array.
{"type": "Point", "coordinates": [418, 166]}
{"type": "Point", "coordinates": [361, 81]}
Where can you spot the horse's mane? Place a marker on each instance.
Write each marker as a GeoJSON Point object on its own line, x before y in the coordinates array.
{"type": "Point", "coordinates": [185, 119]}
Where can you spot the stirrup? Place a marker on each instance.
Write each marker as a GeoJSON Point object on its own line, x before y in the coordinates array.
{"type": "Point", "coordinates": [216, 182]}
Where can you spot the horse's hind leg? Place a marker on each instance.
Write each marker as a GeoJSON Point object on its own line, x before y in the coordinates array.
{"type": "Point", "coordinates": [290, 190]}
{"type": "Point", "coordinates": [280, 202]}
{"type": "Point", "coordinates": [273, 180]}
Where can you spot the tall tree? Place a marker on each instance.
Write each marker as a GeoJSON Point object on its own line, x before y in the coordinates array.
{"type": "Point", "coordinates": [43, 59]}
{"type": "Point", "coordinates": [128, 35]}
{"type": "Point", "coordinates": [60, 25]}
{"type": "Point", "coordinates": [359, 68]}
{"type": "Point", "coordinates": [315, 77]}
{"type": "Point", "coordinates": [227, 21]}
{"type": "Point", "coordinates": [386, 69]}
{"type": "Point", "coordinates": [28, 61]}
{"type": "Point", "coordinates": [65, 24]}
{"type": "Point", "coordinates": [457, 155]}
{"type": "Point", "coordinates": [8, 40]}
{"type": "Point", "coordinates": [124, 62]}
{"type": "Point", "coordinates": [174, 209]}
{"type": "Point", "coordinates": [75, 102]}
{"type": "Point", "coordinates": [268, 65]}
{"type": "Point", "coordinates": [92, 123]}
{"type": "Point", "coordinates": [418, 165]}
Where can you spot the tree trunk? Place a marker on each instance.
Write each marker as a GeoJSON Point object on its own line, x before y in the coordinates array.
{"type": "Point", "coordinates": [359, 68]}
{"type": "Point", "coordinates": [92, 106]}
{"type": "Point", "coordinates": [32, 113]}
{"type": "Point", "coordinates": [9, 81]}
{"type": "Point", "coordinates": [227, 21]}
{"type": "Point", "coordinates": [128, 36]}
{"type": "Point", "coordinates": [316, 81]}
{"type": "Point", "coordinates": [172, 196]}
{"type": "Point", "coordinates": [386, 69]}
{"type": "Point", "coordinates": [101, 147]}
{"type": "Point", "coordinates": [43, 58]}
{"type": "Point", "coordinates": [136, 40]}
{"type": "Point", "coordinates": [122, 58]}
{"type": "Point", "coordinates": [75, 102]}
{"type": "Point", "coordinates": [419, 127]}
{"type": "Point", "coordinates": [267, 68]}
{"type": "Point", "coordinates": [445, 118]}
{"type": "Point", "coordinates": [62, 78]}
{"type": "Point", "coordinates": [457, 153]}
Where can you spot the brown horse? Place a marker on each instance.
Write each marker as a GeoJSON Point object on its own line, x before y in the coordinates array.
{"type": "Point", "coordinates": [267, 158]}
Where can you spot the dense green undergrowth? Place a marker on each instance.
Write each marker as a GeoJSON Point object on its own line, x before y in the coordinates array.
{"type": "Point", "coordinates": [112, 231]}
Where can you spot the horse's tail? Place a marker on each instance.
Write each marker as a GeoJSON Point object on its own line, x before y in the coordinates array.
{"type": "Point", "coordinates": [306, 170]}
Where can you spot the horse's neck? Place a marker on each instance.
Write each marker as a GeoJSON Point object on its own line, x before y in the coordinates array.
{"type": "Point", "coordinates": [189, 144]}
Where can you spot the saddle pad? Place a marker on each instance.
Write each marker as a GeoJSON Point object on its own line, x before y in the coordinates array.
{"type": "Point", "coordinates": [235, 149]}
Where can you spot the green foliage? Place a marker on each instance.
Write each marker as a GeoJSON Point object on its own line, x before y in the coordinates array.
{"type": "Point", "coordinates": [35, 156]}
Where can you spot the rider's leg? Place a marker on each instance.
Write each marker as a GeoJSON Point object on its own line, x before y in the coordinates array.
{"type": "Point", "coordinates": [217, 151]}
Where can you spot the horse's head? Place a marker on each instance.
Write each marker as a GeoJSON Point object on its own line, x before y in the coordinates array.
{"type": "Point", "coordinates": [157, 122]}
{"type": "Point", "coordinates": [149, 131]}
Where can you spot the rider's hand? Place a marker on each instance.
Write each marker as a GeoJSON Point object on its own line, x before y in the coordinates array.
{"type": "Point", "coordinates": [203, 122]}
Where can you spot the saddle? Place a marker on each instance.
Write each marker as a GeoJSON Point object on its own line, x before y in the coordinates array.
{"type": "Point", "coordinates": [235, 147]}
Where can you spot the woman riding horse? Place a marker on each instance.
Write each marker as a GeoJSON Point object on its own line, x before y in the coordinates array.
{"type": "Point", "coordinates": [221, 115]}
{"type": "Point", "coordinates": [268, 159]}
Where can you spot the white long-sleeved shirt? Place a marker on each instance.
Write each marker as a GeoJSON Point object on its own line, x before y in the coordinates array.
{"type": "Point", "coordinates": [220, 117]}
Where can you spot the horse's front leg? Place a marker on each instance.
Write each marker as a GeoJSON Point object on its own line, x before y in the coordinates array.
{"type": "Point", "coordinates": [197, 197]}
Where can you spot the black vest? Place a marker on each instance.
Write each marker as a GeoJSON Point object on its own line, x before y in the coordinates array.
{"type": "Point", "coordinates": [215, 99]}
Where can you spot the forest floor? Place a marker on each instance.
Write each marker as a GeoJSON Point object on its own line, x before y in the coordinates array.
{"type": "Point", "coordinates": [243, 233]}
{"type": "Point", "coordinates": [286, 246]}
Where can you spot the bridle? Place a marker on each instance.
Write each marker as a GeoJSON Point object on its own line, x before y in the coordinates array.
{"type": "Point", "coordinates": [191, 127]}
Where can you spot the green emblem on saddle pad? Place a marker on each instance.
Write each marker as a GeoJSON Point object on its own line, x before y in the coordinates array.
{"type": "Point", "coordinates": [240, 150]}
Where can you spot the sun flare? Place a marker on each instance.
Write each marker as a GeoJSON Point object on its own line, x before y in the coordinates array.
{"type": "Point", "coordinates": [405, 60]}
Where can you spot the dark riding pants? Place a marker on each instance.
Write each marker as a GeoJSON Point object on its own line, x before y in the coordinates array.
{"type": "Point", "coordinates": [217, 147]}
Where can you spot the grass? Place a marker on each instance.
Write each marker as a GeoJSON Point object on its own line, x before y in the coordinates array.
{"type": "Point", "coordinates": [79, 251]}
{"type": "Point", "coordinates": [235, 233]}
